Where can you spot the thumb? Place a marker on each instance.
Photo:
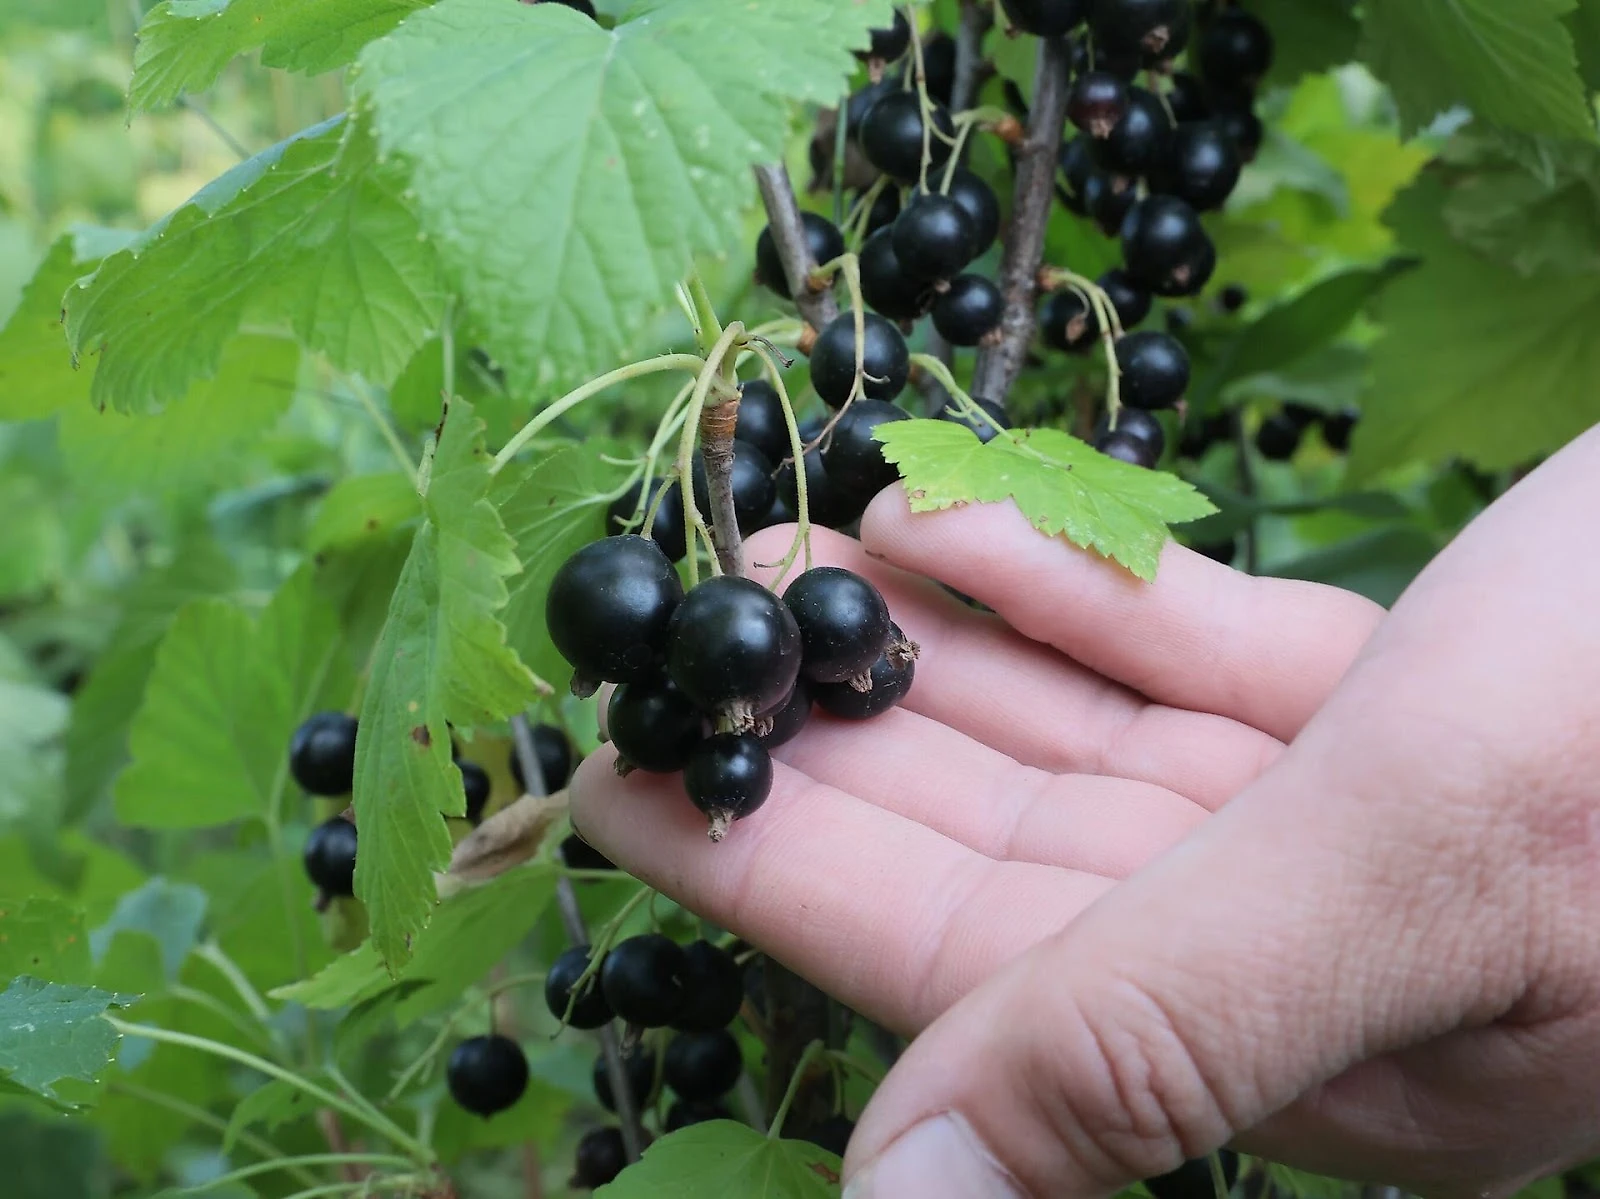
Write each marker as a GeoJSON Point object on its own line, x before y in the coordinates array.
{"type": "Point", "coordinates": [1284, 942]}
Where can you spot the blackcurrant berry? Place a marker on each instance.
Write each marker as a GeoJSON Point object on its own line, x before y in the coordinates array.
{"type": "Point", "coordinates": [487, 1074]}
{"type": "Point", "coordinates": [892, 676]}
{"type": "Point", "coordinates": [1245, 130]}
{"type": "Point", "coordinates": [475, 782]}
{"type": "Point", "coordinates": [626, 515]}
{"type": "Point", "coordinates": [1139, 425]}
{"type": "Point", "coordinates": [761, 421]}
{"type": "Point", "coordinates": [853, 456]}
{"type": "Point", "coordinates": [833, 1134]}
{"type": "Point", "coordinates": [978, 201]}
{"type": "Point", "coordinates": [553, 748]}
{"type": "Point", "coordinates": [601, 1156]}
{"type": "Point", "coordinates": [1147, 29]}
{"type": "Point", "coordinates": [1077, 167]}
{"type": "Point", "coordinates": [884, 209]}
{"type": "Point", "coordinates": [642, 979]}
{"type": "Point", "coordinates": [1200, 435]}
{"type": "Point", "coordinates": [891, 136]}
{"type": "Point", "coordinates": [1193, 1180]}
{"type": "Point", "coordinates": [1235, 49]}
{"type": "Point", "coordinates": [862, 102]}
{"type": "Point", "coordinates": [1046, 18]}
{"type": "Point", "coordinates": [713, 987]}
{"type": "Point", "coordinates": [1232, 298]}
{"type": "Point", "coordinates": [1178, 320]}
{"type": "Point", "coordinates": [330, 857]}
{"type": "Point", "coordinates": [1187, 99]}
{"type": "Point", "coordinates": [884, 283]}
{"type": "Point", "coordinates": [753, 488]}
{"type": "Point", "coordinates": [823, 241]}
{"type": "Point", "coordinates": [1131, 301]}
{"type": "Point", "coordinates": [733, 643]}
{"type": "Point", "coordinates": [1108, 199]}
{"type": "Point", "coordinates": [986, 432]}
{"type": "Point", "coordinates": [1279, 437]}
{"type": "Point", "coordinates": [889, 44]}
{"type": "Point", "coordinates": [703, 1065]}
{"type": "Point", "coordinates": [653, 725]}
{"type": "Point", "coordinates": [640, 1065]}
{"type": "Point", "coordinates": [1165, 248]}
{"type": "Point", "coordinates": [591, 1009]}
{"type": "Point", "coordinates": [729, 776]}
{"type": "Point", "coordinates": [1141, 140]}
{"type": "Point", "coordinates": [1067, 322]}
{"type": "Point", "coordinates": [1338, 428]}
{"type": "Point", "coordinates": [578, 854]}
{"type": "Point", "coordinates": [933, 237]}
{"type": "Point", "coordinates": [1154, 370]}
{"type": "Point", "coordinates": [609, 606]}
{"type": "Point", "coordinates": [1127, 449]}
{"type": "Point", "coordinates": [1097, 103]}
{"type": "Point", "coordinates": [831, 505]}
{"type": "Point", "coordinates": [843, 620]}
{"type": "Point", "coordinates": [886, 361]}
{"type": "Point", "coordinates": [783, 723]}
{"type": "Point", "coordinates": [1202, 167]}
{"type": "Point", "coordinates": [968, 310]}
{"type": "Point", "coordinates": [683, 1114]}
{"type": "Point", "coordinates": [322, 754]}
{"type": "Point", "coordinates": [939, 66]}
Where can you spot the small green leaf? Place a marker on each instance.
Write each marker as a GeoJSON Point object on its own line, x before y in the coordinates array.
{"type": "Point", "coordinates": [274, 1103]}
{"type": "Point", "coordinates": [348, 979]}
{"type": "Point", "coordinates": [441, 659]}
{"type": "Point", "coordinates": [362, 507]}
{"type": "Point", "coordinates": [1532, 203]}
{"type": "Point", "coordinates": [1064, 487]}
{"type": "Point", "coordinates": [43, 937]}
{"type": "Point", "coordinates": [168, 913]}
{"type": "Point", "coordinates": [724, 1158]}
{"type": "Point", "coordinates": [50, 1032]}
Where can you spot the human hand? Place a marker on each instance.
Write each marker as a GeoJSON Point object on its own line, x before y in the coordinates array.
{"type": "Point", "coordinates": [899, 864]}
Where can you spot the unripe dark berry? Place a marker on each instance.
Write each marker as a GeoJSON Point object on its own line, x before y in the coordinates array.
{"type": "Point", "coordinates": [591, 1009]}
{"type": "Point", "coordinates": [1187, 98]}
{"type": "Point", "coordinates": [1193, 1180]}
{"type": "Point", "coordinates": [978, 201]}
{"type": "Point", "coordinates": [601, 1156]}
{"type": "Point", "coordinates": [487, 1074]}
{"type": "Point", "coordinates": [889, 44]}
{"type": "Point", "coordinates": [733, 644]}
{"type": "Point", "coordinates": [642, 979]}
{"type": "Point", "coordinates": [783, 724]}
{"type": "Point", "coordinates": [1338, 428]}
{"type": "Point", "coordinates": [753, 488]}
{"type": "Point", "coordinates": [1076, 162]}
{"type": "Point", "coordinates": [1235, 49]}
{"type": "Point", "coordinates": [933, 237]}
{"type": "Point", "coordinates": [322, 754]}
{"type": "Point", "coordinates": [1138, 425]}
{"type": "Point", "coordinates": [729, 776]}
{"type": "Point", "coordinates": [892, 675]}
{"type": "Point", "coordinates": [653, 725]}
{"type": "Point", "coordinates": [683, 1114]}
{"type": "Point", "coordinates": [578, 854]}
{"type": "Point", "coordinates": [627, 514]}
{"type": "Point", "coordinates": [1127, 449]}
{"type": "Point", "coordinates": [886, 361]}
{"type": "Point", "coordinates": [713, 987]}
{"type": "Point", "coordinates": [475, 782]}
{"type": "Point", "coordinates": [986, 432]}
{"type": "Point", "coordinates": [1279, 437]}
{"type": "Point", "coordinates": [1141, 140]}
{"type": "Point", "coordinates": [1097, 103]}
{"type": "Point", "coordinates": [640, 1065]}
{"type": "Point", "coordinates": [891, 136]}
{"type": "Point", "coordinates": [553, 748]}
{"type": "Point", "coordinates": [1154, 370]}
{"type": "Point", "coordinates": [1201, 167]}
{"type": "Point", "coordinates": [1131, 301]}
{"type": "Point", "coordinates": [885, 285]}
{"type": "Point", "coordinates": [853, 457]}
{"type": "Point", "coordinates": [609, 607]}
{"type": "Point", "coordinates": [1046, 18]}
{"type": "Point", "coordinates": [1232, 298]}
{"type": "Point", "coordinates": [968, 310]}
{"type": "Point", "coordinates": [330, 857]}
{"type": "Point", "coordinates": [843, 620]}
{"type": "Point", "coordinates": [703, 1065]}
{"type": "Point", "coordinates": [823, 241]}
{"type": "Point", "coordinates": [1165, 248]}
{"type": "Point", "coordinates": [1151, 30]}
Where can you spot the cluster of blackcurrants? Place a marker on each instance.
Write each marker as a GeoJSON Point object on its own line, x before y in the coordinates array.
{"type": "Point", "coordinates": [322, 760]}
{"type": "Point", "coordinates": [710, 680]}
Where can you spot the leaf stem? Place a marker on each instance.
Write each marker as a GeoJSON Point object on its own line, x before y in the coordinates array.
{"type": "Point", "coordinates": [814, 1050]}
{"type": "Point", "coordinates": [385, 429]}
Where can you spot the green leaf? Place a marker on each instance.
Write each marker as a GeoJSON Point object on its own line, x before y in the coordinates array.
{"type": "Point", "coordinates": [724, 1158]}
{"type": "Point", "coordinates": [312, 233]}
{"type": "Point", "coordinates": [441, 659]}
{"type": "Point", "coordinates": [209, 743]}
{"type": "Point", "coordinates": [1513, 64]}
{"type": "Point", "coordinates": [551, 511]}
{"type": "Point", "coordinates": [168, 913]}
{"type": "Point", "coordinates": [184, 44]}
{"type": "Point", "coordinates": [349, 978]}
{"type": "Point", "coordinates": [362, 507]}
{"type": "Point", "coordinates": [1064, 487]}
{"type": "Point", "coordinates": [1379, 565]}
{"type": "Point", "coordinates": [50, 1032]}
{"type": "Point", "coordinates": [273, 1103]}
{"type": "Point", "coordinates": [52, 1158]}
{"type": "Point", "coordinates": [1584, 25]}
{"type": "Point", "coordinates": [32, 719]}
{"type": "Point", "coordinates": [624, 151]}
{"type": "Point", "coordinates": [1533, 204]}
{"type": "Point", "coordinates": [44, 937]}
{"type": "Point", "coordinates": [1465, 336]}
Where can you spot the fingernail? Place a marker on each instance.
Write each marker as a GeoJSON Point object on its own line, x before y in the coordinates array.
{"type": "Point", "coordinates": [941, 1158]}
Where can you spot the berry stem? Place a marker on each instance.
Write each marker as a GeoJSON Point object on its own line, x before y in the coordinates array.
{"type": "Point", "coordinates": [789, 237]}
{"type": "Point", "coordinates": [813, 1051]}
{"type": "Point", "coordinates": [802, 533]}
{"type": "Point", "coordinates": [998, 366]}
{"type": "Point", "coordinates": [969, 407]}
{"type": "Point", "coordinates": [1105, 315]}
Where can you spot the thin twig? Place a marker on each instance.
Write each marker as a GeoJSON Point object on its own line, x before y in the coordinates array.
{"type": "Point", "coordinates": [788, 235]}
{"type": "Point", "coordinates": [999, 366]}
{"type": "Point", "coordinates": [211, 123]}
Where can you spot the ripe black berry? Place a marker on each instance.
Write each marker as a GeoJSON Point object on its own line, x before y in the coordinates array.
{"type": "Point", "coordinates": [753, 488]}
{"type": "Point", "coordinates": [640, 1066]}
{"type": "Point", "coordinates": [761, 421]}
{"type": "Point", "coordinates": [823, 240]}
{"type": "Point", "coordinates": [1046, 18]}
{"type": "Point", "coordinates": [853, 456]}
{"type": "Point", "coordinates": [642, 979]}
{"type": "Point", "coordinates": [1192, 1180]}
{"type": "Point", "coordinates": [891, 136]}
{"type": "Point", "coordinates": [1279, 437]}
{"type": "Point", "coordinates": [889, 44]}
{"type": "Point", "coordinates": [985, 431]}
{"type": "Point", "coordinates": [783, 724]}
{"type": "Point", "coordinates": [843, 620]}
{"type": "Point", "coordinates": [1154, 370]}
{"type": "Point", "coordinates": [554, 750]}
{"type": "Point", "coordinates": [626, 515]}
{"type": "Point", "coordinates": [330, 857]}
{"type": "Point", "coordinates": [475, 782]}
{"type": "Point", "coordinates": [703, 1065]}
{"type": "Point", "coordinates": [1131, 301]}
{"type": "Point", "coordinates": [1136, 424]}
{"type": "Point", "coordinates": [1245, 130]}
{"type": "Point", "coordinates": [886, 362]}
{"type": "Point", "coordinates": [939, 66]}
{"type": "Point", "coordinates": [713, 988]}
{"type": "Point", "coordinates": [729, 775]}
{"type": "Point", "coordinates": [1097, 103]}
{"type": "Point", "coordinates": [487, 1074]}
{"type": "Point", "coordinates": [831, 505]}
{"type": "Point", "coordinates": [600, 1158]}
{"type": "Point", "coordinates": [885, 286]}
{"type": "Point", "coordinates": [609, 606]}
{"type": "Point", "coordinates": [653, 725]}
{"type": "Point", "coordinates": [1067, 322]}
{"type": "Point", "coordinates": [968, 310]}
{"type": "Point", "coordinates": [1201, 167]}
{"type": "Point", "coordinates": [1165, 249]}
{"type": "Point", "coordinates": [682, 1114]}
{"type": "Point", "coordinates": [1338, 428]}
{"type": "Point", "coordinates": [733, 643]}
{"type": "Point", "coordinates": [1178, 320]}
{"type": "Point", "coordinates": [1147, 29]}
{"type": "Point", "coordinates": [1187, 98]}
{"type": "Point", "coordinates": [1076, 161]}
{"type": "Point", "coordinates": [1200, 435]}
{"type": "Point", "coordinates": [978, 201]}
{"type": "Point", "coordinates": [591, 1010]}
{"type": "Point", "coordinates": [884, 209]}
{"type": "Point", "coordinates": [892, 676]}
{"type": "Point", "coordinates": [1127, 449]}
{"type": "Point", "coordinates": [322, 754]}
{"type": "Point", "coordinates": [1108, 198]}
{"type": "Point", "coordinates": [933, 237]}
{"type": "Point", "coordinates": [1140, 140]}
{"type": "Point", "coordinates": [1235, 49]}
{"type": "Point", "coordinates": [578, 854]}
